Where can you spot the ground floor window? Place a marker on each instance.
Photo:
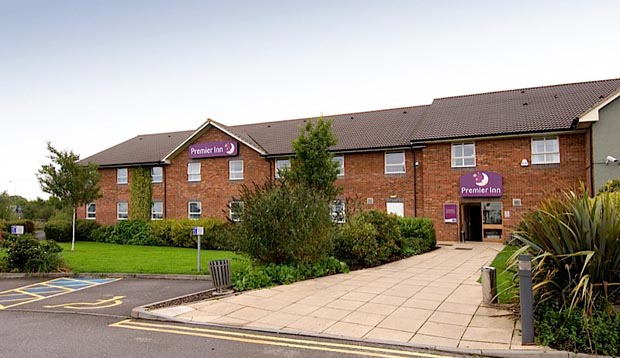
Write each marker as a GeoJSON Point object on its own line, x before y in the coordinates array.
{"type": "Point", "coordinates": [91, 211]}
{"type": "Point", "coordinates": [157, 210]}
{"type": "Point", "coordinates": [235, 208]}
{"type": "Point", "coordinates": [194, 209]}
{"type": "Point", "coordinates": [397, 209]}
{"type": "Point", "coordinates": [122, 210]}
{"type": "Point", "coordinates": [337, 211]}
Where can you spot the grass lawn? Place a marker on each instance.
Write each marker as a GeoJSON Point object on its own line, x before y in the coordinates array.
{"type": "Point", "coordinates": [100, 257]}
{"type": "Point", "coordinates": [504, 277]}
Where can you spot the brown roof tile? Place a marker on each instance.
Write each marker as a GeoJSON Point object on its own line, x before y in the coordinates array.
{"type": "Point", "coordinates": [142, 149]}
{"type": "Point", "coordinates": [527, 110]}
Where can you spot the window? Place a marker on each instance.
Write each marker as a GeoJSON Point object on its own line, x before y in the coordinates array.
{"type": "Point", "coordinates": [397, 209]}
{"type": "Point", "coordinates": [545, 150]}
{"type": "Point", "coordinates": [235, 169]}
{"type": "Point", "coordinates": [91, 211]}
{"type": "Point", "coordinates": [121, 176]}
{"type": "Point", "coordinates": [395, 163]}
{"type": "Point", "coordinates": [157, 210]}
{"type": "Point", "coordinates": [122, 210]}
{"type": "Point", "coordinates": [157, 174]}
{"type": "Point", "coordinates": [340, 160]}
{"type": "Point", "coordinates": [235, 208]}
{"type": "Point", "coordinates": [282, 164]}
{"type": "Point", "coordinates": [463, 155]}
{"type": "Point", "coordinates": [193, 171]}
{"type": "Point", "coordinates": [337, 211]}
{"type": "Point", "coordinates": [194, 210]}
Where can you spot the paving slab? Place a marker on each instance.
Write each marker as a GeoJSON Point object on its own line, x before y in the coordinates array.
{"type": "Point", "coordinates": [427, 300]}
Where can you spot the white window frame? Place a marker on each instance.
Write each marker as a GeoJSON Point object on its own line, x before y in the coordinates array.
{"type": "Point", "coordinates": [193, 175]}
{"type": "Point", "coordinates": [545, 153]}
{"type": "Point", "coordinates": [459, 161]}
{"type": "Point", "coordinates": [122, 179]}
{"type": "Point", "coordinates": [398, 165]}
{"type": "Point", "coordinates": [281, 164]}
{"type": "Point", "coordinates": [157, 215]}
{"type": "Point", "coordinates": [340, 160]}
{"type": "Point", "coordinates": [397, 208]}
{"type": "Point", "coordinates": [189, 208]}
{"type": "Point", "coordinates": [334, 214]}
{"type": "Point", "coordinates": [231, 214]}
{"type": "Point", "coordinates": [157, 178]}
{"type": "Point", "coordinates": [235, 174]}
{"type": "Point", "coordinates": [91, 215]}
{"type": "Point", "coordinates": [122, 215]}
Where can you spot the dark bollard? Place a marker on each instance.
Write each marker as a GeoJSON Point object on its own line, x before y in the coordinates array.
{"type": "Point", "coordinates": [526, 299]}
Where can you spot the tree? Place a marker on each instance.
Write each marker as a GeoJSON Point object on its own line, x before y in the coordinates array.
{"type": "Point", "coordinates": [313, 163]}
{"type": "Point", "coordinates": [5, 206]}
{"type": "Point", "coordinates": [75, 184]}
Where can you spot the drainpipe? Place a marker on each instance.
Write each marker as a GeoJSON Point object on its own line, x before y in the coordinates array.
{"type": "Point", "coordinates": [415, 191]}
{"type": "Point", "coordinates": [163, 169]}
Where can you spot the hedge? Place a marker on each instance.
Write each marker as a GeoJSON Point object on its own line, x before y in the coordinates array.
{"type": "Point", "coordinates": [27, 224]}
{"type": "Point", "coordinates": [60, 231]}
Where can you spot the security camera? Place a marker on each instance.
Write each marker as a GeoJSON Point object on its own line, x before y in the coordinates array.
{"type": "Point", "coordinates": [610, 159]}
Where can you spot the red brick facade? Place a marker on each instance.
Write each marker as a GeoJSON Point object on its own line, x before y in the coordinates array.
{"type": "Point", "coordinates": [435, 184]}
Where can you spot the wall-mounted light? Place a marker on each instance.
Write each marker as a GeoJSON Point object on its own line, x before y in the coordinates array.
{"type": "Point", "coordinates": [417, 164]}
{"type": "Point", "coordinates": [525, 163]}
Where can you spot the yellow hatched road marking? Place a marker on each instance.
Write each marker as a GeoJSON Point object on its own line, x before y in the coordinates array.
{"type": "Point", "coordinates": [54, 286]}
{"type": "Point", "coordinates": [272, 340]}
{"type": "Point", "coordinates": [19, 290]}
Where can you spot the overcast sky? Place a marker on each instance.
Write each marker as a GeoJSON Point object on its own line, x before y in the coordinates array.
{"type": "Point", "coordinates": [86, 75]}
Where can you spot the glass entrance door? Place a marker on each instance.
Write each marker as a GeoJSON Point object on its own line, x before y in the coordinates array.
{"type": "Point", "coordinates": [492, 225]}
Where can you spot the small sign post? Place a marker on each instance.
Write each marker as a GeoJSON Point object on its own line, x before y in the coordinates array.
{"type": "Point", "coordinates": [17, 229]}
{"type": "Point", "coordinates": [198, 231]}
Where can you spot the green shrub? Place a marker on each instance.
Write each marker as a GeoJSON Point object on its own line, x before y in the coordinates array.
{"type": "Point", "coordinates": [577, 247]}
{"type": "Point", "coordinates": [270, 275]}
{"type": "Point", "coordinates": [388, 233]}
{"type": "Point", "coordinates": [181, 232]}
{"type": "Point", "coordinates": [418, 235]}
{"type": "Point", "coordinates": [103, 233]}
{"type": "Point", "coordinates": [566, 329]}
{"type": "Point", "coordinates": [59, 231]}
{"type": "Point", "coordinates": [357, 244]}
{"type": "Point", "coordinates": [285, 223]}
{"type": "Point", "coordinates": [84, 230]}
{"type": "Point", "coordinates": [27, 254]}
{"type": "Point", "coordinates": [132, 232]}
{"type": "Point", "coordinates": [27, 224]}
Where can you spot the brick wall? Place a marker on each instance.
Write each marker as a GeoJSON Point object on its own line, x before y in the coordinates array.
{"type": "Point", "coordinates": [112, 193]}
{"type": "Point", "coordinates": [531, 184]}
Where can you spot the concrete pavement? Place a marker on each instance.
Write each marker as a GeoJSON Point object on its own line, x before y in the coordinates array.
{"type": "Point", "coordinates": [430, 300]}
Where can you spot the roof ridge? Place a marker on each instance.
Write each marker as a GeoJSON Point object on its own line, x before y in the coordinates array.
{"type": "Point", "coordinates": [327, 116]}
{"type": "Point", "coordinates": [160, 133]}
{"type": "Point", "coordinates": [526, 88]}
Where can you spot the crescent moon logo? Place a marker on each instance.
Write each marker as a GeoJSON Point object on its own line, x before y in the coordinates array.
{"type": "Point", "coordinates": [484, 181]}
{"type": "Point", "coordinates": [232, 149]}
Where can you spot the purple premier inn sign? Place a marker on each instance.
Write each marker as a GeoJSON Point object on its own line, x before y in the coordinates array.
{"type": "Point", "coordinates": [213, 149]}
{"type": "Point", "coordinates": [481, 184]}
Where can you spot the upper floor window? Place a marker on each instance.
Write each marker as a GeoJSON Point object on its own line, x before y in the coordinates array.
{"type": "Point", "coordinates": [122, 210]}
{"type": "Point", "coordinates": [121, 176]}
{"type": "Point", "coordinates": [193, 171]}
{"type": "Point", "coordinates": [157, 174]}
{"type": "Point", "coordinates": [340, 160]}
{"type": "Point", "coordinates": [235, 169]}
{"type": "Point", "coordinates": [235, 208]}
{"type": "Point", "coordinates": [194, 209]}
{"type": "Point", "coordinates": [545, 150]}
{"type": "Point", "coordinates": [463, 155]}
{"type": "Point", "coordinates": [282, 164]}
{"type": "Point", "coordinates": [91, 211]}
{"type": "Point", "coordinates": [157, 210]}
{"type": "Point", "coordinates": [395, 163]}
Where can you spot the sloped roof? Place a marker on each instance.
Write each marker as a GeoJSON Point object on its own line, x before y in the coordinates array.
{"type": "Point", "coordinates": [363, 130]}
{"type": "Point", "coordinates": [142, 149]}
{"type": "Point", "coordinates": [519, 111]}
{"type": "Point", "coordinates": [526, 110]}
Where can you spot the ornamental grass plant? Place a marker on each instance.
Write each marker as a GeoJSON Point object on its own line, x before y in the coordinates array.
{"type": "Point", "coordinates": [575, 242]}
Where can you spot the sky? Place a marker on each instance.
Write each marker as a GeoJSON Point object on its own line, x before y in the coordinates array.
{"type": "Point", "coordinates": [86, 75]}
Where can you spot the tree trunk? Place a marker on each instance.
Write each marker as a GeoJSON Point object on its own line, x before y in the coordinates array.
{"type": "Point", "coordinates": [73, 226]}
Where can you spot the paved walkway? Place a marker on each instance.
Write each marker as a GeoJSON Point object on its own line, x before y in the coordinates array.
{"type": "Point", "coordinates": [430, 300]}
